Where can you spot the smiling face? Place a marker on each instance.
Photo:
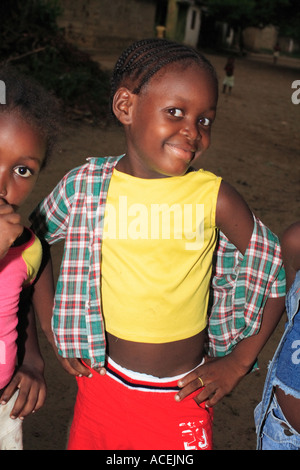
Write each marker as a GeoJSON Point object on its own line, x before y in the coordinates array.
{"type": "Point", "coordinates": [168, 125]}
{"type": "Point", "coordinates": [22, 151]}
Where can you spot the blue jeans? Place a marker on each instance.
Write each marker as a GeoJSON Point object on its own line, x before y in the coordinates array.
{"type": "Point", "coordinates": [277, 433]}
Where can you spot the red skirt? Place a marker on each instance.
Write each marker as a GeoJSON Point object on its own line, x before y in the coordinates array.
{"type": "Point", "coordinates": [123, 410]}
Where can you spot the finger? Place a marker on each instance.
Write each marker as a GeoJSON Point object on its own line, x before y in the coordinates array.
{"type": "Point", "coordinates": [8, 392]}
{"type": "Point", "coordinates": [31, 403]}
{"type": "Point", "coordinates": [215, 398]}
{"type": "Point", "coordinates": [31, 398]}
{"type": "Point", "coordinates": [20, 404]}
{"type": "Point", "coordinates": [190, 387]}
{"type": "Point", "coordinates": [41, 398]}
{"type": "Point", "coordinates": [205, 395]}
{"type": "Point", "coordinates": [79, 369]}
{"type": "Point", "coordinates": [100, 370]}
{"type": "Point", "coordinates": [7, 209]}
{"type": "Point", "coordinates": [68, 367]}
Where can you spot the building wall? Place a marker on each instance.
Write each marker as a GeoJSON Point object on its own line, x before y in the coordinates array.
{"type": "Point", "coordinates": [193, 24]}
{"type": "Point", "coordinates": [97, 24]}
{"type": "Point", "coordinates": [256, 39]}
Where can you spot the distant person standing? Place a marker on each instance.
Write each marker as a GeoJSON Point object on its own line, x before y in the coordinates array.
{"type": "Point", "coordinates": [229, 75]}
{"type": "Point", "coordinates": [276, 53]}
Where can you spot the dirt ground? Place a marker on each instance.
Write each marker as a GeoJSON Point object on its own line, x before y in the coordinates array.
{"type": "Point", "coordinates": [255, 146]}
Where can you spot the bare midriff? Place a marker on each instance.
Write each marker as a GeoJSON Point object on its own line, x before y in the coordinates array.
{"type": "Point", "coordinates": [290, 407]}
{"type": "Point", "coordinates": [159, 360]}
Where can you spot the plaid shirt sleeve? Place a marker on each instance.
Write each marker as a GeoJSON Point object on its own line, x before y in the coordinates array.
{"type": "Point", "coordinates": [74, 212]}
{"type": "Point", "coordinates": [50, 218]}
{"type": "Point", "coordinates": [241, 286]}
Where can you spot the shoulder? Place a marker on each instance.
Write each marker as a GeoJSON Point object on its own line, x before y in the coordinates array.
{"type": "Point", "coordinates": [233, 217]}
{"type": "Point", "coordinates": [290, 243]}
{"type": "Point", "coordinates": [204, 176]}
{"type": "Point", "coordinates": [92, 164]}
{"type": "Point", "coordinates": [291, 236]}
{"type": "Point", "coordinates": [290, 246]}
{"type": "Point", "coordinates": [229, 198]}
{"type": "Point", "coordinates": [92, 170]}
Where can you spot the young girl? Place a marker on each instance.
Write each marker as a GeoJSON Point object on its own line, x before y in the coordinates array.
{"type": "Point", "coordinates": [278, 414]}
{"type": "Point", "coordinates": [27, 128]}
{"type": "Point", "coordinates": [139, 307]}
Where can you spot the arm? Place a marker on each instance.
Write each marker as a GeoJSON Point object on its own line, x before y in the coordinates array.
{"type": "Point", "coordinates": [221, 375]}
{"type": "Point", "coordinates": [290, 245]}
{"type": "Point", "coordinates": [29, 378]}
{"type": "Point", "coordinates": [43, 297]}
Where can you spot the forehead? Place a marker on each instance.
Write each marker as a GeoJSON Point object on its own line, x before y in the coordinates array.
{"type": "Point", "coordinates": [184, 80]}
{"type": "Point", "coordinates": [15, 131]}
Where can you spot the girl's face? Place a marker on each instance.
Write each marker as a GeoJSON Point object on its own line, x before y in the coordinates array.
{"type": "Point", "coordinates": [170, 122]}
{"type": "Point", "coordinates": [22, 151]}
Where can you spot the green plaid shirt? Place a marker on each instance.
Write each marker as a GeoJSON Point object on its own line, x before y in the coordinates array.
{"type": "Point", "coordinates": [74, 212]}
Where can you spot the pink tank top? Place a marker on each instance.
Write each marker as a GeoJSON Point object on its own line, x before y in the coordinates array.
{"type": "Point", "coordinates": [18, 268]}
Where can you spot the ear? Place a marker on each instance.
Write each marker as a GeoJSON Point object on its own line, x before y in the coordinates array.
{"type": "Point", "coordinates": [122, 105]}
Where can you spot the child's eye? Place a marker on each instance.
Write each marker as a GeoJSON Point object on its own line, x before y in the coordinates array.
{"type": "Point", "coordinates": [205, 122]}
{"type": "Point", "coordinates": [23, 171]}
{"type": "Point", "coordinates": [176, 112]}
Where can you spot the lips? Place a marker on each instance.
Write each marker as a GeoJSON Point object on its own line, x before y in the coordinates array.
{"type": "Point", "coordinates": [184, 152]}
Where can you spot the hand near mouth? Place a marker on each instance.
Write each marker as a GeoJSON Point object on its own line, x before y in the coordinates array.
{"type": "Point", "coordinates": [10, 227]}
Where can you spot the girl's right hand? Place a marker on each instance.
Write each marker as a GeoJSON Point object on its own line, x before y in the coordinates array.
{"type": "Point", "coordinates": [10, 227]}
{"type": "Point", "coordinates": [76, 367]}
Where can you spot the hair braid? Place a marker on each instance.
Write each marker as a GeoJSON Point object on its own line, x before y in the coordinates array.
{"type": "Point", "coordinates": [143, 59]}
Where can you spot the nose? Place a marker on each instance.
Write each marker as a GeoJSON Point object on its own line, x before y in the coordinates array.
{"type": "Point", "coordinates": [191, 131]}
{"type": "Point", "coordinates": [3, 186]}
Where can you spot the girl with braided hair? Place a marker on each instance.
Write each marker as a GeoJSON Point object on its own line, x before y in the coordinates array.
{"type": "Point", "coordinates": [130, 322]}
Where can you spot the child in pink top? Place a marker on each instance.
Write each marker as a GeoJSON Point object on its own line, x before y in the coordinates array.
{"type": "Point", "coordinates": [27, 129]}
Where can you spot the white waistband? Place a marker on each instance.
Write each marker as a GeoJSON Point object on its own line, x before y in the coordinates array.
{"type": "Point", "coordinates": [139, 376]}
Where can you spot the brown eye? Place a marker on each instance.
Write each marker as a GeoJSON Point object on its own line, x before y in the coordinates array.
{"type": "Point", "coordinates": [176, 112]}
{"type": "Point", "coordinates": [205, 122]}
{"type": "Point", "coordinates": [23, 171]}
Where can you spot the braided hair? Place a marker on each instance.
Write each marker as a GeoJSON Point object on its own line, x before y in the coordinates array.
{"type": "Point", "coordinates": [144, 58]}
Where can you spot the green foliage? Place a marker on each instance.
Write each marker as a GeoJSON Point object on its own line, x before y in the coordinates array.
{"type": "Point", "coordinates": [32, 42]}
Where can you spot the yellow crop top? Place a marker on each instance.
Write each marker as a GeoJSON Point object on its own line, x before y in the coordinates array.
{"type": "Point", "coordinates": [158, 242]}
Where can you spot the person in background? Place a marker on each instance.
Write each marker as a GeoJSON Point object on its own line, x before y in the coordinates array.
{"type": "Point", "coordinates": [276, 53]}
{"type": "Point", "coordinates": [229, 76]}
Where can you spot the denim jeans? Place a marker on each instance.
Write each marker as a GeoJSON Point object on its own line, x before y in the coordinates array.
{"type": "Point", "coordinates": [277, 433]}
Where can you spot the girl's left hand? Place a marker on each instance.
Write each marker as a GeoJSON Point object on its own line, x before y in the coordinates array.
{"type": "Point", "coordinates": [32, 392]}
{"type": "Point", "coordinates": [216, 378]}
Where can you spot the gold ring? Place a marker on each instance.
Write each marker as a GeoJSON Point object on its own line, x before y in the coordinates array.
{"type": "Point", "coordinates": [201, 381]}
